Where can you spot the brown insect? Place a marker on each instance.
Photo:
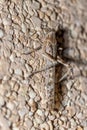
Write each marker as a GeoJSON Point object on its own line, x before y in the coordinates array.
{"type": "Point", "coordinates": [48, 50]}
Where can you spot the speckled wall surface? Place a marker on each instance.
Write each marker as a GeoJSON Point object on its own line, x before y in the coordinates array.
{"type": "Point", "coordinates": [24, 27]}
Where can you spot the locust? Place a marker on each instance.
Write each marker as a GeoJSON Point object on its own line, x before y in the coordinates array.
{"type": "Point", "coordinates": [48, 50]}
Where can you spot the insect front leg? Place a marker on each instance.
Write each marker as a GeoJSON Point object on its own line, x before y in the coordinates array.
{"type": "Point", "coordinates": [65, 74]}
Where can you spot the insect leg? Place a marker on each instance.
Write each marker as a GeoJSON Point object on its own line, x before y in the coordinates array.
{"type": "Point", "coordinates": [55, 62]}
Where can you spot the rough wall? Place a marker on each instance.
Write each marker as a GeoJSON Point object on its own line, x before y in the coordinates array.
{"type": "Point", "coordinates": [23, 26]}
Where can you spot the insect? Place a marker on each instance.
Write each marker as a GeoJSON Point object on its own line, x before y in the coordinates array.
{"type": "Point", "coordinates": [48, 50]}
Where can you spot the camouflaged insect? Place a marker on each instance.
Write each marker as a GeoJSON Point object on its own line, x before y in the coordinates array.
{"type": "Point", "coordinates": [49, 52]}
{"type": "Point", "coordinates": [50, 49]}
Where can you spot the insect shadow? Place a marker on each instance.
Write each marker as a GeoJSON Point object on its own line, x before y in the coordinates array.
{"type": "Point", "coordinates": [62, 36]}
